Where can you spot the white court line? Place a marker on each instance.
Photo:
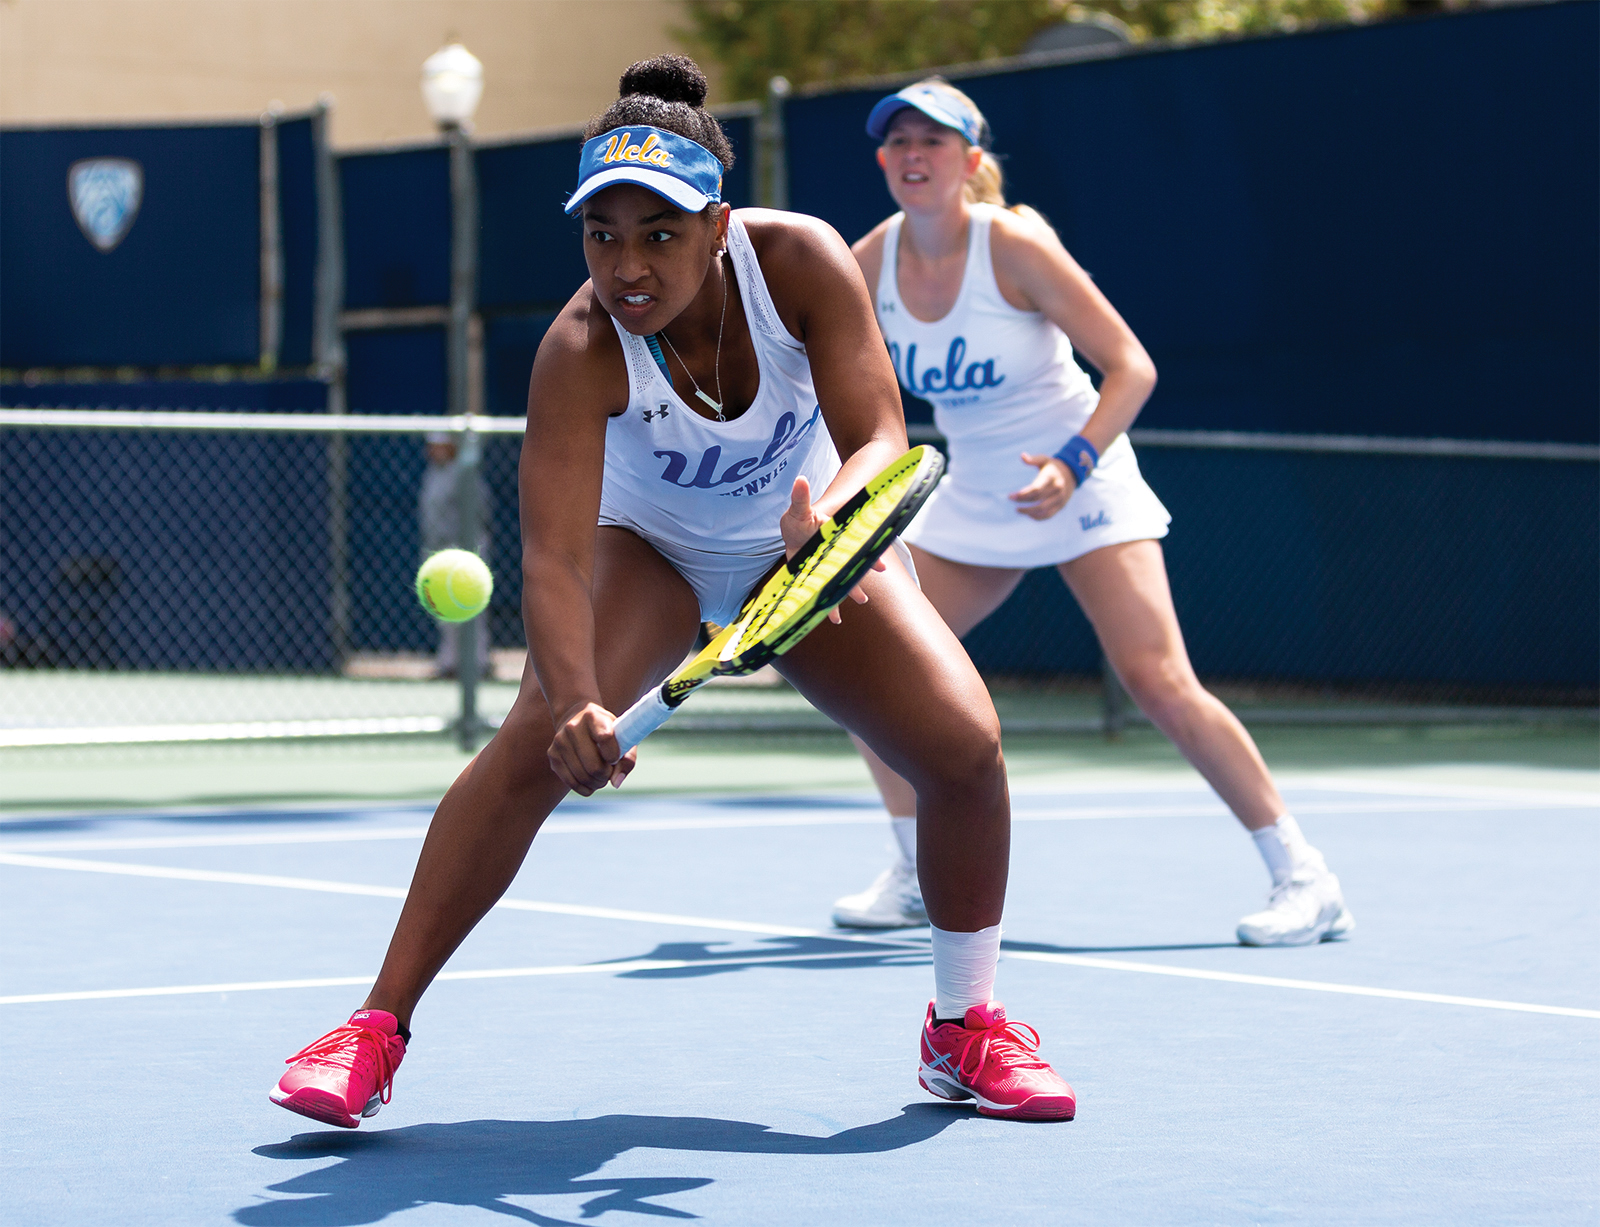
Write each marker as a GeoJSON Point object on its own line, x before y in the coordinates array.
{"type": "Point", "coordinates": [1536, 797]}
{"type": "Point", "coordinates": [132, 843]}
{"type": "Point", "coordinates": [601, 826]}
{"type": "Point", "coordinates": [884, 950]}
{"type": "Point", "coordinates": [1316, 986]}
{"type": "Point", "coordinates": [734, 926]}
{"type": "Point", "coordinates": [497, 973]}
{"type": "Point", "coordinates": [1023, 788]}
{"type": "Point", "coordinates": [388, 892]}
{"type": "Point", "coordinates": [1021, 791]}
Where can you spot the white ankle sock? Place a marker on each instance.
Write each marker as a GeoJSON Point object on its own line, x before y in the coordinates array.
{"type": "Point", "coordinates": [1283, 847]}
{"type": "Point", "coordinates": [963, 969]}
{"type": "Point", "coordinates": [905, 834]}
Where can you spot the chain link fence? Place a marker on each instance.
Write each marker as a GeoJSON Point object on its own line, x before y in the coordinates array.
{"type": "Point", "coordinates": [177, 576]}
{"type": "Point", "coordinates": [194, 576]}
{"type": "Point", "coordinates": [1356, 579]}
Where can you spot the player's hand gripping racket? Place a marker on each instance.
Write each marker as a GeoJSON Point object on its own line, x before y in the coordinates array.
{"type": "Point", "coordinates": [820, 575]}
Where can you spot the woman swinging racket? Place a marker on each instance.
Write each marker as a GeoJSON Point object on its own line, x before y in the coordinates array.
{"type": "Point", "coordinates": [713, 392]}
{"type": "Point", "coordinates": [982, 308]}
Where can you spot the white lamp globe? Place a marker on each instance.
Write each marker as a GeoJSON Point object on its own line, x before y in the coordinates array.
{"type": "Point", "coordinates": [452, 84]}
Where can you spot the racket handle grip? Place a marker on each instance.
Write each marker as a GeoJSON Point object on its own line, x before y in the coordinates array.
{"type": "Point", "coordinates": [642, 719]}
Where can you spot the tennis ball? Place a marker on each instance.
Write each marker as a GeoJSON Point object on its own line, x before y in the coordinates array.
{"type": "Point", "coordinates": [454, 585]}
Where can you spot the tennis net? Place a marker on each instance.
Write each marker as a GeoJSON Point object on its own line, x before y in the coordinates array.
{"type": "Point", "coordinates": [189, 576]}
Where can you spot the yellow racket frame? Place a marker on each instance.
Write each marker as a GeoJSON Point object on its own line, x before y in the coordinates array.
{"type": "Point", "coordinates": [802, 591]}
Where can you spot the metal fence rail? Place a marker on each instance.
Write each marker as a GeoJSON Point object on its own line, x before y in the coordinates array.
{"type": "Point", "coordinates": [181, 576]}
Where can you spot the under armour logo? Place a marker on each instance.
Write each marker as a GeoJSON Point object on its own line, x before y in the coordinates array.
{"type": "Point", "coordinates": [648, 416]}
{"type": "Point", "coordinates": [886, 307]}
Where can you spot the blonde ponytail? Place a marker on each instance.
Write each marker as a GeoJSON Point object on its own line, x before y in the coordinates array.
{"type": "Point", "coordinates": [986, 185]}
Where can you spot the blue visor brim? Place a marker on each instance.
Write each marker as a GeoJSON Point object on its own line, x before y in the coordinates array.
{"type": "Point", "coordinates": [676, 191]}
{"type": "Point", "coordinates": [682, 171]}
{"type": "Point", "coordinates": [937, 107]}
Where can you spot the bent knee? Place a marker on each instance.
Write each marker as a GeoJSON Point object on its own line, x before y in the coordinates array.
{"type": "Point", "coordinates": [1161, 685]}
{"type": "Point", "coordinates": [522, 743]}
{"type": "Point", "coordinates": [967, 759]}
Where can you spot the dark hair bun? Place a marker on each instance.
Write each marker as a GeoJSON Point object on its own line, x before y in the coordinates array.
{"type": "Point", "coordinates": [668, 92]}
{"type": "Point", "coordinates": [672, 78]}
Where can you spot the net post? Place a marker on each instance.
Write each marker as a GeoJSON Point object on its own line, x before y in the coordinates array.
{"type": "Point", "coordinates": [327, 340]}
{"type": "Point", "coordinates": [463, 364]}
{"type": "Point", "coordinates": [468, 456]}
{"type": "Point", "coordinates": [1114, 700]}
{"type": "Point", "coordinates": [271, 306]}
{"type": "Point", "coordinates": [772, 168]}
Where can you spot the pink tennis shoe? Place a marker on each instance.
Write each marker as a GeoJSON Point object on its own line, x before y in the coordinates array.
{"type": "Point", "coordinates": [347, 1074]}
{"type": "Point", "coordinates": [987, 1058]}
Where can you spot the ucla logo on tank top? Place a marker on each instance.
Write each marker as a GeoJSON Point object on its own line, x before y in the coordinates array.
{"type": "Point", "coordinates": [785, 438]}
{"type": "Point", "coordinates": [942, 381]}
{"type": "Point", "coordinates": [1002, 380]}
{"type": "Point", "coordinates": [719, 487]}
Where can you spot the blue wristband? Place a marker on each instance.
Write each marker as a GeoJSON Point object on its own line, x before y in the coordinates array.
{"type": "Point", "coordinates": [1078, 454]}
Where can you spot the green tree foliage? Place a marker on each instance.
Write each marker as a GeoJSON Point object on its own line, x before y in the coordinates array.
{"type": "Point", "coordinates": [825, 40]}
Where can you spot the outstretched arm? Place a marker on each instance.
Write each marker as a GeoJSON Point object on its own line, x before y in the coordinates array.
{"type": "Point", "coordinates": [558, 479]}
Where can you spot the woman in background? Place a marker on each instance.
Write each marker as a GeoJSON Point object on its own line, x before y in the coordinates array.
{"type": "Point", "coordinates": [982, 308]}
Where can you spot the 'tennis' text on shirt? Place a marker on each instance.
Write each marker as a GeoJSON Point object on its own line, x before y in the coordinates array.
{"type": "Point", "coordinates": [951, 378]}
{"type": "Point", "coordinates": [785, 438]}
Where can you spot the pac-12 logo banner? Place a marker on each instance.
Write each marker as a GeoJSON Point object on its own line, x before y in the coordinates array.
{"type": "Point", "coordinates": [105, 195]}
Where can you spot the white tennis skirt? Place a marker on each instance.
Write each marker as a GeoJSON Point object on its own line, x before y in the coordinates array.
{"type": "Point", "coordinates": [984, 528]}
{"type": "Point", "coordinates": [720, 581]}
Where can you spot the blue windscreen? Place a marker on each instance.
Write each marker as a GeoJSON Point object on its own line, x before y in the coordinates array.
{"type": "Point", "coordinates": [1387, 229]}
{"type": "Point", "coordinates": [180, 285]}
{"type": "Point", "coordinates": [233, 396]}
{"type": "Point", "coordinates": [396, 227]}
{"type": "Point", "coordinates": [529, 251]}
{"type": "Point", "coordinates": [396, 371]}
{"type": "Point", "coordinates": [297, 224]}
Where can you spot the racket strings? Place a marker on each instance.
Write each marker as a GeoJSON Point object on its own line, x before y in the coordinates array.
{"type": "Point", "coordinates": [840, 547]}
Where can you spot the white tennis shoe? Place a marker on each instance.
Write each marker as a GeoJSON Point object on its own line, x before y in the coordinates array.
{"type": "Point", "coordinates": [893, 901]}
{"type": "Point", "coordinates": [1305, 908]}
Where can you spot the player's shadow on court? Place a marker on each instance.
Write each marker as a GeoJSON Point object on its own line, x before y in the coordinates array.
{"type": "Point", "coordinates": [838, 954]}
{"type": "Point", "coordinates": [1047, 948]}
{"type": "Point", "coordinates": [483, 1162]}
{"type": "Point", "coordinates": [796, 953]}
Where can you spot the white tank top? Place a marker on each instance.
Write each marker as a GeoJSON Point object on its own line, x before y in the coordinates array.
{"type": "Point", "coordinates": [716, 486]}
{"type": "Point", "coordinates": [1002, 381]}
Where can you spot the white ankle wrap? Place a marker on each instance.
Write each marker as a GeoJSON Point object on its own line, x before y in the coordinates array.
{"type": "Point", "coordinates": [905, 835]}
{"type": "Point", "coordinates": [1283, 848]}
{"type": "Point", "coordinates": [963, 969]}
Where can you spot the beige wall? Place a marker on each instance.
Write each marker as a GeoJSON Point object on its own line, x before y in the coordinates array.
{"type": "Point", "coordinates": [546, 62]}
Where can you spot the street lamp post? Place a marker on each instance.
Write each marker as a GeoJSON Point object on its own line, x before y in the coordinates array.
{"type": "Point", "coordinates": [452, 84]}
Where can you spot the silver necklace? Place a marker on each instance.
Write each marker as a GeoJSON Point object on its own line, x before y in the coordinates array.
{"type": "Point", "coordinates": [716, 366]}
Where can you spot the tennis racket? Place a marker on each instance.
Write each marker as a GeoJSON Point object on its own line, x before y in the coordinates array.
{"type": "Point", "coordinates": [799, 595]}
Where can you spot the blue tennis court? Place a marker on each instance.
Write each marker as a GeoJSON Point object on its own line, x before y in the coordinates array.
{"type": "Point", "coordinates": [659, 1023]}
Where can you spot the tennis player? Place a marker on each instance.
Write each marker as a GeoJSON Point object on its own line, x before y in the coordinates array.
{"type": "Point", "coordinates": [713, 392]}
{"type": "Point", "coordinates": [982, 308]}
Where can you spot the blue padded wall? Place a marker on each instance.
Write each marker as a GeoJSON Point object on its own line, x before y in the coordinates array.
{"type": "Point", "coordinates": [396, 227]}
{"type": "Point", "coordinates": [297, 222]}
{"type": "Point", "coordinates": [1385, 229]}
{"type": "Point", "coordinates": [182, 287]}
